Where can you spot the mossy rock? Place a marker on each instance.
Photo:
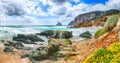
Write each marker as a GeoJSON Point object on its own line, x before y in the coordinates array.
{"type": "Point", "coordinates": [36, 55]}
{"type": "Point", "coordinates": [62, 34]}
{"type": "Point", "coordinates": [111, 22]}
{"type": "Point", "coordinates": [57, 45]}
{"type": "Point", "coordinates": [100, 32]}
{"type": "Point", "coordinates": [86, 34]}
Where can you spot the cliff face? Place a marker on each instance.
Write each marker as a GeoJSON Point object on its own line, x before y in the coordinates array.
{"type": "Point", "coordinates": [80, 19]}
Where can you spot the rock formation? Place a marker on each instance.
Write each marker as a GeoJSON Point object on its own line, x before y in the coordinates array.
{"type": "Point", "coordinates": [92, 16]}
{"type": "Point", "coordinates": [59, 24]}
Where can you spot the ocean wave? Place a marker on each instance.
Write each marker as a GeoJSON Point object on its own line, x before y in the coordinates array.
{"type": "Point", "coordinates": [9, 32]}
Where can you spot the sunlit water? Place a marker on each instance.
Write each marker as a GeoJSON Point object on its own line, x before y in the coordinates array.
{"type": "Point", "coordinates": [7, 32]}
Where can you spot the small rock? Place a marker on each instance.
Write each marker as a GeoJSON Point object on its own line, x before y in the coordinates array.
{"type": "Point", "coordinates": [59, 24]}
{"type": "Point", "coordinates": [9, 49]}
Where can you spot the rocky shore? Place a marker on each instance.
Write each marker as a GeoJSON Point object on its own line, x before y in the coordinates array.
{"type": "Point", "coordinates": [58, 47]}
{"type": "Point", "coordinates": [32, 46]}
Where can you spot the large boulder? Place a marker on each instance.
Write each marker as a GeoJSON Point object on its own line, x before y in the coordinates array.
{"type": "Point", "coordinates": [86, 34]}
{"type": "Point", "coordinates": [36, 55]}
{"type": "Point", "coordinates": [47, 33]}
{"type": "Point", "coordinates": [29, 39]}
{"type": "Point", "coordinates": [62, 34]}
{"type": "Point", "coordinates": [56, 34]}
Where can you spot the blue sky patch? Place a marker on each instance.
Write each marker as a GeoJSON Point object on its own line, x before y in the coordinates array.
{"type": "Point", "coordinates": [94, 1]}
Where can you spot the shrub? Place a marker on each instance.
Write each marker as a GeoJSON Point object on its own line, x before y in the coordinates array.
{"type": "Point", "coordinates": [111, 22]}
{"type": "Point", "coordinates": [100, 56]}
{"type": "Point", "coordinates": [100, 32]}
{"type": "Point", "coordinates": [103, 55]}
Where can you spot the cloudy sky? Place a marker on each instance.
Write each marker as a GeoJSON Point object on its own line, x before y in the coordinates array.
{"type": "Point", "coordinates": [49, 12]}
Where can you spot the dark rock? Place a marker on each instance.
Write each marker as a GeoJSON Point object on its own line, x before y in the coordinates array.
{"type": "Point", "coordinates": [86, 34]}
{"type": "Point", "coordinates": [56, 34]}
{"type": "Point", "coordinates": [29, 39]}
{"type": "Point", "coordinates": [9, 49]}
{"type": "Point", "coordinates": [47, 33]}
{"type": "Point", "coordinates": [62, 34]}
{"type": "Point", "coordinates": [17, 45]}
{"type": "Point", "coordinates": [59, 24]}
{"type": "Point", "coordinates": [36, 55]}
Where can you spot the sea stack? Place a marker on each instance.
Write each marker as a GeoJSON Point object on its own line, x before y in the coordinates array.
{"type": "Point", "coordinates": [59, 24]}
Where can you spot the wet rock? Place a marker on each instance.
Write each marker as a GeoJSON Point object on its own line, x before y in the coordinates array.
{"type": "Point", "coordinates": [86, 34]}
{"type": "Point", "coordinates": [62, 34]}
{"type": "Point", "coordinates": [18, 45]}
{"type": "Point", "coordinates": [47, 33]}
{"type": "Point", "coordinates": [56, 34]}
{"type": "Point", "coordinates": [36, 55]}
{"type": "Point", "coordinates": [9, 49]}
{"type": "Point", "coordinates": [29, 39]}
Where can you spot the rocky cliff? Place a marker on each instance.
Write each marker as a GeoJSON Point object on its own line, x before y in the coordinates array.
{"type": "Point", "coordinates": [83, 19]}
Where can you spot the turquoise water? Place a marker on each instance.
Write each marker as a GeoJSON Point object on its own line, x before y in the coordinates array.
{"type": "Point", "coordinates": [7, 32]}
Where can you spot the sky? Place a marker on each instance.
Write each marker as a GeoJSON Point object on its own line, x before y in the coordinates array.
{"type": "Point", "coordinates": [49, 12]}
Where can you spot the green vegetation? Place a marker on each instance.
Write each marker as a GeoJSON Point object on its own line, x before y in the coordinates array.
{"type": "Point", "coordinates": [100, 32]}
{"type": "Point", "coordinates": [104, 55]}
{"type": "Point", "coordinates": [111, 22]}
{"type": "Point", "coordinates": [57, 44]}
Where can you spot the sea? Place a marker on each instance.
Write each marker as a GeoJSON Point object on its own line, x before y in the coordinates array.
{"type": "Point", "coordinates": [9, 31]}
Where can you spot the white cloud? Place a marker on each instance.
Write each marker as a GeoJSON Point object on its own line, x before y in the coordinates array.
{"type": "Point", "coordinates": [39, 12]}
{"type": "Point", "coordinates": [62, 8]}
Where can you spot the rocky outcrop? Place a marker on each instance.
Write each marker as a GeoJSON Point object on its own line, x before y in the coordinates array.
{"type": "Point", "coordinates": [56, 34]}
{"type": "Point", "coordinates": [92, 16]}
{"type": "Point", "coordinates": [29, 39]}
{"type": "Point", "coordinates": [59, 24]}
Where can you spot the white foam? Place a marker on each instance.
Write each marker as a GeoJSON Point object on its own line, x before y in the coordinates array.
{"type": "Point", "coordinates": [9, 32]}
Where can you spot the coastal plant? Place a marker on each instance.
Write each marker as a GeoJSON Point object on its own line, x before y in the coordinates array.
{"type": "Point", "coordinates": [100, 32]}
{"type": "Point", "coordinates": [104, 55]}
{"type": "Point", "coordinates": [111, 22]}
{"type": "Point", "coordinates": [100, 56]}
